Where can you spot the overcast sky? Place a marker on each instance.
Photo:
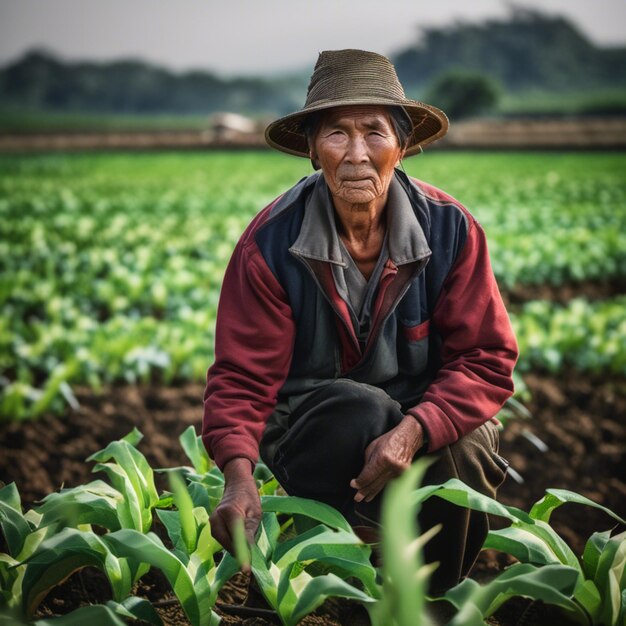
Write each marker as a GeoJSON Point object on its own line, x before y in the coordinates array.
{"type": "Point", "coordinates": [249, 36]}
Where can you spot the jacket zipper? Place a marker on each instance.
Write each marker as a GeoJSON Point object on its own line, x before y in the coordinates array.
{"type": "Point", "coordinates": [349, 328]}
{"type": "Point", "coordinates": [377, 327]}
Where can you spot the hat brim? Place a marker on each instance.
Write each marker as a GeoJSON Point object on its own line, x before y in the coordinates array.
{"type": "Point", "coordinates": [287, 133]}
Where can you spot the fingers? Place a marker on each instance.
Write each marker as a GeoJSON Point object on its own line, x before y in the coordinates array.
{"type": "Point", "coordinates": [370, 491]}
{"type": "Point", "coordinates": [240, 506]}
{"type": "Point", "coordinates": [380, 467]}
{"type": "Point", "coordinates": [220, 534]}
{"type": "Point", "coordinates": [222, 520]}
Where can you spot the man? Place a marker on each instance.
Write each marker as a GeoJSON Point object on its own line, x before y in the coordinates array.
{"type": "Point", "coordinates": [360, 324]}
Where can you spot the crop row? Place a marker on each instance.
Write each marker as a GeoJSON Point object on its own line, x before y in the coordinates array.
{"type": "Point", "coordinates": [111, 265]}
{"type": "Point", "coordinates": [305, 551]}
{"type": "Point", "coordinates": [40, 363]}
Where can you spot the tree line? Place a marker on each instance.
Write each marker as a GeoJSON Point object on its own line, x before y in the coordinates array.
{"type": "Point", "coordinates": [527, 51]}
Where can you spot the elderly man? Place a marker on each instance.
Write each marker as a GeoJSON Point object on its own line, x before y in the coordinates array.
{"type": "Point", "coordinates": [359, 323]}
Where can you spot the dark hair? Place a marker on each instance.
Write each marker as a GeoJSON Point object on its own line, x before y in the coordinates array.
{"type": "Point", "coordinates": [400, 121]}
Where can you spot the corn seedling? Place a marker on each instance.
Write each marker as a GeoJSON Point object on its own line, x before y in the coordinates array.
{"type": "Point", "coordinates": [591, 590]}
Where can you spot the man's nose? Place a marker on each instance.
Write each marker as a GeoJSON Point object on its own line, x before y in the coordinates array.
{"type": "Point", "coordinates": [357, 150]}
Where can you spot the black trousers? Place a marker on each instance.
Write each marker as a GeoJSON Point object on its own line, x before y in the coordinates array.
{"type": "Point", "coordinates": [315, 445]}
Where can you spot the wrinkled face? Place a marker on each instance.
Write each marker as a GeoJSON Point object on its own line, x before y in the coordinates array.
{"type": "Point", "coordinates": [357, 150]}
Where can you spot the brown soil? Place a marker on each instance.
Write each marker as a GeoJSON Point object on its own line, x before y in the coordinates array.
{"type": "Point", "coordinates": [563, 293]}
{"type": "Point", "coordinates": [580, 420]}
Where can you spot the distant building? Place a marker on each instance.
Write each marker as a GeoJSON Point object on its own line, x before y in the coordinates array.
{"type": "Point", "coordinates": [229, 127]}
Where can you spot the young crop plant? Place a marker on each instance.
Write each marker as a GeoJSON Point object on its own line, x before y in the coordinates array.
{"type": "Point", "coordinates": [404, 575]}
{"type": "Point", "coordinates": [190, 565]}
{"type": "Point", "coordinates": [591, 590]}
{"type": "Point", "coordinates": [110, 266]}
{"type": "Point", "coordinates": [295, 571]}
{"type": "Point", "coordinates": [297, 574]}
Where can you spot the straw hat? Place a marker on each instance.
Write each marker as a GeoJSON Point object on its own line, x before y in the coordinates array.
{"type": "Point", "coordinates": [345, 77]}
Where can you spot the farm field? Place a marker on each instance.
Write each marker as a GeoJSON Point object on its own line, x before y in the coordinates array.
{"type": "Point", "coordinates": [110, 269]}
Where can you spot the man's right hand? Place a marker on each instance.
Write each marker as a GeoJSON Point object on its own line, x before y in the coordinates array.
{"type": "Point", "coordinates": [240, 501]}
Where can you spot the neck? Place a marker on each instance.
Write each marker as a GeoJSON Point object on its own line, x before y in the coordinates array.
{"type": "Point", "coordinates": [361, 225]}
{"type": "Point", "coordinates": [362, 230]}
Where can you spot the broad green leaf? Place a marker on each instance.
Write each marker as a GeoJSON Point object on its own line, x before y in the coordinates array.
{"type": "Point", "coordinates": [207, 548]}
{"type": "Point", "coordinates": [93, 503]}
{"type": "Point", "coordinates": [269, 487]}
{"type": "Point", "coordinates": [129, 510]}
{"type": "Point", "coordinates": [199, 496]}
{"type": "Point", "coordinates": [268, 534]}
{"type": "Point", "coordinates": [219, 576]}
{"type": "Point", "coordinates": [521, 544]}
{"type": "Point", "coordinates": [322, 587]}
{"type": "Point", "coordinates": [552, 584]}
{"type": "Point", "coordinates": [554, 498]}
{"type": "Point", "coordinates": [588, 596]}
{"type": "Point", "coordinates": [461, 494]}
{"type": "Point", "coordinates": [610, 577]}
{"type": "Point", "coordinates": [96, 614]}
{"type": "Point", "coordinates": [136, 608]}
{"type": "Point", "coordinates": [137, 469]}
{"type": "Point", "coordinates": [148, 548]}
{"type": "Point", "coordinates": [591, 554]}
{"type": "Point", "coordinates": [32, 542]}
{"type": "Point", "coordinates": [14, 528]}
{"type": "Point", "coordinates": [266, 575]}
{"type": "Point", "coordinates": [302, 506]}
{"type": "Point", "coordinates": [312, 543]}
{"type": "Point", "coordinates": [183, 503]}
{"type": "Point", "coordinates": [195, 450]}
{"type": "Point", "coordinates": [65, 552]}
{"type": "Point", "coordinates": [551, 538]}
{"type": "Point", "coordinates": [345, 561]}
{"type": "Point", "coordinates": [10, 582]}
{"type": "Point", "coordinates": [133, 437]}
{"type": "Point", "coordinates": [291, 581]}
{"type": "Point", "coordinates": [11, 496]}
{"type": "Point", "coordinates": [171, 521]}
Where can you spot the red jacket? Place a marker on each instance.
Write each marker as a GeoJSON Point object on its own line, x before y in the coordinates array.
{"type": "Point", "coordinates": [440, 342]}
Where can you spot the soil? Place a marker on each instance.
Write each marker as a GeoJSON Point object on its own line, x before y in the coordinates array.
{"type": "Point", "coordinates": [579, 419]}
{"type": "Point", "coordinates": [561, 294]}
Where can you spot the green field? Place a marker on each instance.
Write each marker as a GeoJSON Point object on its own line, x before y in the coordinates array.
{"type": "Point", "coordinates": [110, 272]}
{"type": "Point", "coordinates": [111, 264]}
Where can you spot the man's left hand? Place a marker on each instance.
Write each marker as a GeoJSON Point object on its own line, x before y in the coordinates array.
{"type": "Point", "coordinates": [387, 457]}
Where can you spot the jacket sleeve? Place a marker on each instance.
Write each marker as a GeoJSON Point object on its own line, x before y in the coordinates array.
{"type": "Point", "coordinates": [478, 349]}
{"type": "Point", "coordinates": [253, 346]}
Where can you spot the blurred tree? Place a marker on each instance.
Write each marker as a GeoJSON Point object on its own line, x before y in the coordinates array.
{"type": "Point", "coordinates": [528, 50]}
{"type": "Point", "coordinates": [463, 94]}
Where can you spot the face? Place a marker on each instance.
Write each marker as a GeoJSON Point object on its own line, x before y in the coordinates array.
{"type": "Point", "coordinates": [357, 150]}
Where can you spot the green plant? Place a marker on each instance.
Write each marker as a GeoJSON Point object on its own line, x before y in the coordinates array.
{"type": "Point", "coordinates": [298, 574]}
{"type": "Point", "coordinates": [110, 265]}
{"type": "Point", "coordinates": [404, 575]}
{"type": "Point", "coordinates": [591, 590]}
{"type": "Point", "coordinates": [50, 543]}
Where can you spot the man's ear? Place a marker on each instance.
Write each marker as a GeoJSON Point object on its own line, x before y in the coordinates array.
{"type": "Point", "coordinates": [314, 162]}
{"type": "Point", "coordinates": [402, 153]}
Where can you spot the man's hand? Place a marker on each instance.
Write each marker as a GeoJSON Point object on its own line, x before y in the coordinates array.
{"type": "Point", "coordinates": [387, 457]}
{"type": "Point", "coordinates": [240, 501]}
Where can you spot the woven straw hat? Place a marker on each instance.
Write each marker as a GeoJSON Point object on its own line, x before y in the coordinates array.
{"type": "Point", "coordinates": [345, 77]}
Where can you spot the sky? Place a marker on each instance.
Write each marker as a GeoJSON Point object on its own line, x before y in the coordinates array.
{"type": "Point", "coordinates": [242, 37]}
